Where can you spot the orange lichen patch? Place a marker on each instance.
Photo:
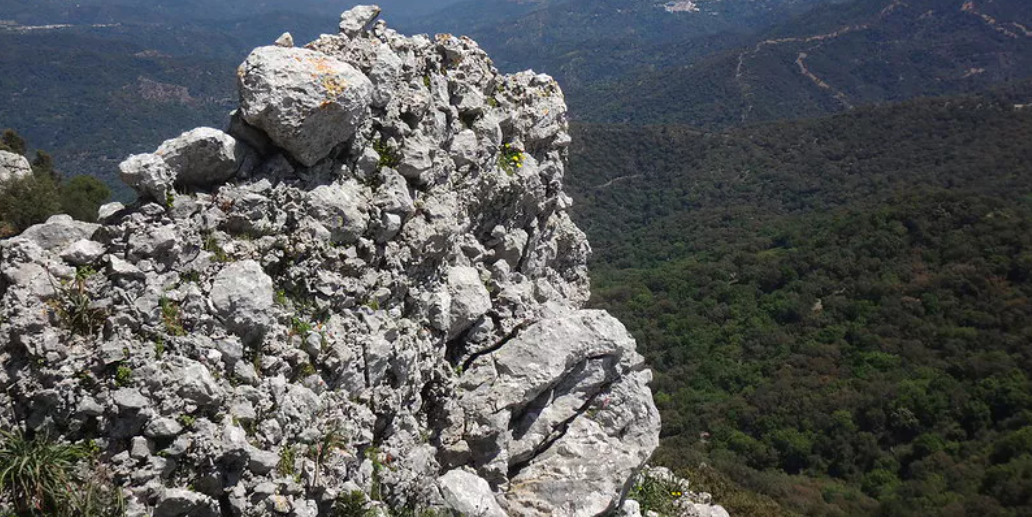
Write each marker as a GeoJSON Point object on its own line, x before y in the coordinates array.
{"type": "Point", "coordinates": [241, 71]}
{"type": "Point", "coordinates": [322, 65]}
{"type": "Point", "coordinates": [334, 85]}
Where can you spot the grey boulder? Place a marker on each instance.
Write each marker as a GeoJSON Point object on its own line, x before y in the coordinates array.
{"type": "Point", "coordinates": [58, 232]}
{"type": "Point", "coordinates": [306, 102]}
{"type": "Point", "coordinates": [149, 175]}
{"type": "Point", "coordinates": [13, 166]}
{"type": "Point", "coordinates": [355, 20]}
{"type": "Point", "coordinates": [469, 494]}
{"type": "Point", "coordinates": [469, 298]}
{"type": "Point", "coordinates": [204, 157]}
{"type": "Point", "coordinates": [243, 296]}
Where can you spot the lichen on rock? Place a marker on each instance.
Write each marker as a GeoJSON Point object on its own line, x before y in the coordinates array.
{"type": "Point", "coordinates": [343, 299]}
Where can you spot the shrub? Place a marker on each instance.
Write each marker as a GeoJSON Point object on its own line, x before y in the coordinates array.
{"type": "Point", "coordinates": [36, 473]}
{"type": "Point", "coordinates": [74, 305]}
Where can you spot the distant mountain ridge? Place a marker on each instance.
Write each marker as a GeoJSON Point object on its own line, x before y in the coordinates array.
{"type": "Point", "coordinates": [832, 59]}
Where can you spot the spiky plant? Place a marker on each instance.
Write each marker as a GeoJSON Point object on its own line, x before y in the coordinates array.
{"type": "Point", "coordinates": [37, 473]}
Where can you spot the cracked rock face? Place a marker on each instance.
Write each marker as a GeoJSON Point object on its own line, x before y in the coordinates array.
{"type": "Point", "coordinates": [357, 266]}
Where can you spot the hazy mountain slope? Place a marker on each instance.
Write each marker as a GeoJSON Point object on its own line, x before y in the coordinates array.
{"type": "Point", "coordinates": [172, 11]}
{"type": "Point", "coordinates": [830, 60]}
{"type": "Point", "coordinates": [571, 38]}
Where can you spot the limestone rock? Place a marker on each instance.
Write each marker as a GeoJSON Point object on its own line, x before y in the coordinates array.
{"type": "Point", "coordinates": [469, 494]}
{"type": "Point", "coordinates": [58, 232]}
{"type": "Point", "coordinates": [307, 102]}
{"type": "Point", "coordinates": [285, 40]}
{"type": "Point", "coordinates": [469, 298]}
{"type": "Point", "coordinates": [344, 294]}
{"type": "Point", "coordinates": [354, 21]}
{"type": "Point", "coordinates": [185, 503]}
{"type": "Point", "coordinates": [13, 166]}
{"type": "Point", "coordinates": [204, 157]}
{"type": "Point", "coordinates": [149, 175]}
{"type": "Point", "coordinates": [242, 294]}
{"type": "Point", "coordinates": [83, 252]}
{"type": "Point", "coordinates": [340, 209]}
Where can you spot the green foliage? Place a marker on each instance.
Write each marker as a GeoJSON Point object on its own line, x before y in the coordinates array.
{"type": "Point", "coordinates": [36, 473]}
{"type": "Point", "coordinates": [299, 326]}
{"type": "Point", "coordinates": [211, 245]}
{"type": "Point", "coordinates": [510, 159]}
{"type": "Point", "coordinates": [656, 494]}
{"type": "Point", "coordinates": [389, 156]}
{"type": "Point", "coordinates": [331, 440]}
{"type": "Point", "coordinates": [351, 504]}
{"type": "Point", "coordinates": [171, 317]}
{"type": "Point", "coordinates": [73, 304]}
{"type": "Point", "coordinates": [39, 476]}
{"type": "Point", "coordinates": [836, 310]}
{"type": "Point", "coordinates": [12, 142]}
{"type": "Point", "coordinates": [34, 198]}
{"type": "Point", "coordinates": [187, 421]}
{"type": "Point", "coordinates": [29, 200]}
{"type": "Point", "coordinates": [288, 456]}
{"type": "Point", "coordinates": [123, 376]}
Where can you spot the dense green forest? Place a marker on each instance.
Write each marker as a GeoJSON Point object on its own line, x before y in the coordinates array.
{"type": "Point", "coordinates": [33, 199]}
{"type": "Point", "coordinates": [838, 310]}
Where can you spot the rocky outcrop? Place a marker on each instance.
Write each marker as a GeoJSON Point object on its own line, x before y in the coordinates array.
{"type": "Point", "coordinates": [13, 166]}
{"type": "Point", "coordinates": [367, 290]}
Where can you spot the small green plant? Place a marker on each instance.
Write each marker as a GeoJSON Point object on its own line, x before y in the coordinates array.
{"type": "Point", "coordinates": [36, 474]}
{"type": "Point", "coordinates": [656, 494]}
{"type": "Point", "coordinates": [300, 327]}
{"type": "Point", "coordinates": [123, 376]}
{"type": "Point", "coordinates": [330, 441]}
{"type": "Point", "coordinates": [171, 317]}
{"type": "Point", "coordinates": [492, 101]}
{"type": "Point", "coordinates": [281, 298]}
{"type": "Point", "coordinates": [389, 157]}
{"type": "Point", "coordinates": [74, 304]}
{"type": "Point", "coordinates": [193, 277]}
{"type": "Point", "coordinates": [510, 159]}
{"type": "Point", "coordinates": [187, 421]}
{"type": "Point", "coordinates": [287, 456]}
{"type": "Point", "coordinates": [306, 370]}
{"type": "Point", "coordinates": [211, 245]}
{"type": "Point", "coordinates": [351, 504]}
{"type": "Point", "coordinates": [159, 347]}
{"type": "Point", "coordinates": [376, 490]}
{"type": "Point", "coordinates": [170, 198]}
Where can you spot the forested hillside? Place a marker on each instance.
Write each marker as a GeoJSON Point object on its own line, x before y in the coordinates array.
{"type": "Point", "coordinates": [838, 309]}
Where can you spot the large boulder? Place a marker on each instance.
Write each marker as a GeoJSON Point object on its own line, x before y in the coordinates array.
{"type": "Point", "coordinates": [13, 166]}
{"type": "Point", "coordinates": [307, 102]}
{"type": "Point", "coordinates": [204, 157]}
{"type": "Point", "coordinates": [149, 175]}
{"type": "Point", "coordinates": [569, 402]}
{"type": "Point", "coordinates": [58, 232]}
{"type": "Point", "coordinates": [469, 494]}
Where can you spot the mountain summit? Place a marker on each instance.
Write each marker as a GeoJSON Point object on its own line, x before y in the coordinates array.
{"type": "Point", "coordinates": [365, 293]}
